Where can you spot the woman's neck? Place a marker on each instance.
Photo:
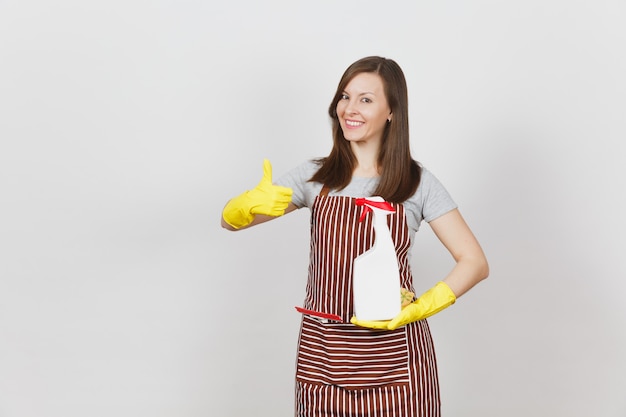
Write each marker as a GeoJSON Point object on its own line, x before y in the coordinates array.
{"type": "Point", "coordinates": [366, 172]}
{"type": "Point", "coordinates": [366, 160]}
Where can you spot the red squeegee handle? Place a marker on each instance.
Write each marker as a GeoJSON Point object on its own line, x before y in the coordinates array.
{"type": "Point", "coordinates": [319, 314]}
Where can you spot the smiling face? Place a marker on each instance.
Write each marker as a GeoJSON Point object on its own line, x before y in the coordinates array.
{"type": "Point", "coordinates": [362, 109]}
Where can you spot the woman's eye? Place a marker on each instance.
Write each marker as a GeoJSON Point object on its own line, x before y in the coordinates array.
{"type": "Point", "coordinates": [344, 97]}
{"type": "Point", "coordinates": [366, 100]}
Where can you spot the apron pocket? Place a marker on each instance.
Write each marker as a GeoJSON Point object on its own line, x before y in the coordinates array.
{"type": "Point", "coordinates": [351, 357]}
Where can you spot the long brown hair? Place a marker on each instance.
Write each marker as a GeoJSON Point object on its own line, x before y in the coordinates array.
{"type": "Point", "coordinates": [400, 173]}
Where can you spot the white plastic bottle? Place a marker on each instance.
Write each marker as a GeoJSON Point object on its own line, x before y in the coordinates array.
{"type": "Point", "coordinates": [376, 275]}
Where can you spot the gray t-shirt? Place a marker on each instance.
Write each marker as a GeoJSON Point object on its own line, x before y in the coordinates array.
{"type": "Point", "coordinates": [430, 200]}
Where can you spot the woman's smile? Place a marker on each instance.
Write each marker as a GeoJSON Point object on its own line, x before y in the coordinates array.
{"type": "Point", "coordinates": [363, 110]}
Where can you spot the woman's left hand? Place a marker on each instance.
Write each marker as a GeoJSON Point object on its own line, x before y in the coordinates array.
{"type": "Point", "coordinates": [377, 325]}
{"type": "Point", "coordinates": [431, 302]}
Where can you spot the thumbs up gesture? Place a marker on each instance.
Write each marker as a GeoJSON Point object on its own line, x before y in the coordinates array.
{"type": "Point", "coordinates": [266, 198]}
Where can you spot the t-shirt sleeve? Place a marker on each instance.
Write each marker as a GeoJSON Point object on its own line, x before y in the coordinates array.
{"type": "Point", "coordinates": [298, 180]}
{"type": "Point", "coordinates": [430, 201]}
{"type": "Point", "coordinates": [436, 201]}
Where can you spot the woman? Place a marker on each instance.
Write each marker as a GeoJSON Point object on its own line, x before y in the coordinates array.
{"type": "Point", "coordinates": [347, 366]}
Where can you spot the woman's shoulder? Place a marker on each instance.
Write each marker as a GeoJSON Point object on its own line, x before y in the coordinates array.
{"type": "Point", "coordinates": [427, 178]}
{"type": "Point", "coordinates": [305, 169]}
{"type": "Point", "coordinates": [310, 165]}
{"type": "Point", "coordinates": [431, 199]}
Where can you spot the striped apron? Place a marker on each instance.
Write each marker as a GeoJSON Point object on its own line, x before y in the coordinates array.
{"type": "Point", "coordinates": [344, 370]}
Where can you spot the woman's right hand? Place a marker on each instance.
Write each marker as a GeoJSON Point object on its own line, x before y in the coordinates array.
{"type": "Point", "coordinates": [266, 199]}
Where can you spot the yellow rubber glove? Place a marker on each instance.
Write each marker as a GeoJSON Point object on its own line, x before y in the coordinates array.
{"type": "Point", "coordinates": [266, 198]}
{"type": "Point", "coordinates": [431, 302]}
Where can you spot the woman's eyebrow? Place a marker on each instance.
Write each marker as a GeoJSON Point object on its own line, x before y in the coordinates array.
{"type": "Point", "coordinates": [361, 94]}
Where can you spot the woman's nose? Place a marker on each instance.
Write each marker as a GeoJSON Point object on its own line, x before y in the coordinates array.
{"type": "Point", "coordinates": [351, 107]}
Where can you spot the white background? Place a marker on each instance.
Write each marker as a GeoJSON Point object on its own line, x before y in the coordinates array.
{"type": "Point", "coordinates": [125, 126]}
